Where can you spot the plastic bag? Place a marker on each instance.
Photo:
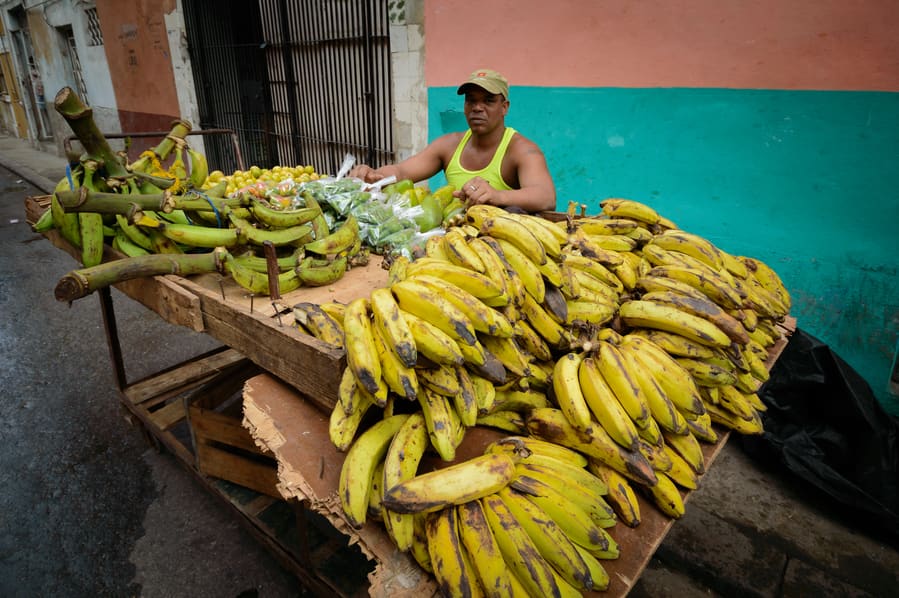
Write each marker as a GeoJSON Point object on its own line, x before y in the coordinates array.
{"type": "Point", "coordinates": [825, 426]}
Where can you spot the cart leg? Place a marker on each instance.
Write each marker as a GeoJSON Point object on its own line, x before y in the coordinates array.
{"type": "Point", "coordinates": [112, 337]}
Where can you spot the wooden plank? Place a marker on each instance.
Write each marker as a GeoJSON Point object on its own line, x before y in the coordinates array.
{"type": "Point", "coordinates": [166, 417]}
{"type": "Point", "coordinates": [209, 426]}
{"type": "Point", "coordinates": [182, 376]}
{"type": "Point", "coordinates": [222, 464]}
{"type": "Point", "coordinates": [308, 364]}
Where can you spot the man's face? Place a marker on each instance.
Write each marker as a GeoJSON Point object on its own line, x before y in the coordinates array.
{"type": "Point", "coordinates": [484, 110]}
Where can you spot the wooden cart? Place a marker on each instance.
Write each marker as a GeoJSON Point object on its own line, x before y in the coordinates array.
{"type": "Point", "coordinates": [280, 384]}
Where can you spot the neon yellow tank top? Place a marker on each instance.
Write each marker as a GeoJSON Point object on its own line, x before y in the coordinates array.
{"type": "Point", "coordinates": [457, 176]}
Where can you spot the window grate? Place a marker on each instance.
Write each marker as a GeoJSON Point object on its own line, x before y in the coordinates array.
{"type": "Point", "coordinates": [94, 34]}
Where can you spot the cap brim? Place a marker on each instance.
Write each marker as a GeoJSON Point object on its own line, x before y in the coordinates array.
{"type": "Point", "coordinates": [488, 86]}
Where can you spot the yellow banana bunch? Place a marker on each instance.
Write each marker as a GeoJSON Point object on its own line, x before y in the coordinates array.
{"type": "Point", "coordinates": [614, 207]}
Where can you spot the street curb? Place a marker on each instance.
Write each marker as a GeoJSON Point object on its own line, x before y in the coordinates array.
{"type": "Point", "coordinates": [36, 179]}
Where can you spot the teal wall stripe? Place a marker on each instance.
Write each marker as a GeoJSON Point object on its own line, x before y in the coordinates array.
{"type": "Point", "coordinates": [807, 181]}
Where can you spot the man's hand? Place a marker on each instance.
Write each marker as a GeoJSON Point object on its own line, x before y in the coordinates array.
{"type": "Point", "coordinates": [478, 191]}
{"type": "Point", "coordinates": [366, 173]}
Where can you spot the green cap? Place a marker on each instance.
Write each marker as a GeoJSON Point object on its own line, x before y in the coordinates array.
{"type": "Point", "coordinates": [488, 80]}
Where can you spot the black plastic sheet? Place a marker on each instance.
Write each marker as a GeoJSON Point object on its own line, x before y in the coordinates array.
{"type": "Point", "coordinates": [825, 427]}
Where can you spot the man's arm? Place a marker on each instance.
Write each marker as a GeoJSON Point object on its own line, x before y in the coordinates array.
{"type": "Point", "coordinates": [536, 191]}
{"type": "Point", "coordinates": [418, 167]}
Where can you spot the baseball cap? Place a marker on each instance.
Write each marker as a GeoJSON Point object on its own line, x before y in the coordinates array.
{"type": "Point", "coordinates": [487, 79]}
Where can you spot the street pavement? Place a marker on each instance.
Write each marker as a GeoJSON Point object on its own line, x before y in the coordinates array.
{"type": "Point", "coordinates": [88, 509]}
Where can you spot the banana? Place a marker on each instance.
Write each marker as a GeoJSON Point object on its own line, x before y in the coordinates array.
{"type": "Point", "coordinates": [345, 419]}
{"type": "Point", "coordinates": [531, 342]}
{"type": "Point", "coordinates": [90, 225]}
{"type": "Point", "coordinates": [570, 470]}
{"type": "Point", "coordinates": [259, 236]}
{"type": "Point", "coordinates": [551, 425]}
{"type": "Point", "coordinates": [598, 574]}
{"type": "Point", "coordinates": [549, 539]}
{"type": "Point", "coordinates": [688, 447]}
{"type": "Point", "coordinates": [615, 207]}
{"type": "Point", "coordinates": [590, 287]}
{"type": "Point", "coordinates": [594, 269]}
{"type": "Point", "coordinates": [583, 244]}
{"type": "Point", "coordinates": [440, 419]}
{"type": "Point", "coordinates": [625, 387]}
{"type": "Point", "coordinates": [402, 380]}
{"type": "Point", "coordinates": [567, 391]}
{"type": "Point", "coordinates": [419, 548]}
{"type": "Point", "coordinates": [436, 249]}
{"type": "Point", "coordinates": [606, 226]}
{"type": "Point", "coordinates": [389, 320]}
{"type": "Point", "coordinates": [376, 493]}
{"type": "Point", "coordinates": [356, 472]}
{"type": "Point", "coordinates": [715, 288]}
{"type": "Point", "coordinates": [431, 342]}
{"type": "Point", "coordinates": [401, 463]}
{"type": "Point", "coordinates": [320, 324]}
{"type": "Point", "coordinates": [663, 411]}
{"type": "Point", "coordinates": [203, 236]}
{"type": "Point", "coordinates": [123, 244]}
{"type": "Point", "coordinates": [691, 244]}
{"type": "Point", "coordinates": [675, 344]}
{"type": "Point", "coordinates": [460, 253]}
{"type": "Point", "coordinates": [345, 391]}
{"type": "Point", "coordinates": [703, 308]}
{"type": "Point", "coordinates": [729, 420]}
{"type": "Point", "coordinates": [429, 305]}
{"type": "Point", "coordinates": [675, 381]}
{"type": "Point", "coordinates": [452, 485]}
{"type": "Point", "coordinates": [656, 455]}
{"type": "Point", "coordinates": [647, 314]}
{"type": "Point", "coordinates": [134, 233]}
{"type": "Point", "coordinates": [486, 556]}
{"type": "Point", "coordinates": [706, 373]}
{"type": "Point", "coordinates": [734, 265]}
{"type": "Point", "coordinates": [569, 515]}
{"type": "Point", "coordinates": [341, 239]}
{"type": "Point", "coordinates": [619, 243]}
{"type": "Point", "coordinates": [507, 351]}
{"type": "Point", "coordinates": [509, 421]}
{"type": "Point", "coordinates": [731, 399]}
{"type": "Point", "coordinates": [515, 286]}
{"type": "Point", "coordinates": [260, 263]}
{"type": "Point", "coordinates": [441, 379]}
{"type": "Point", "coordinates": [466, 400]}
{"type": "Point", "coordinates": [606, 408]}
{"type": "Point", "coordinates": [482, 286]}
{"type": "Point", "coordinates": [199, 168]}
{"type": "Point", "coordinates": [282, 218]}
{"type": "Point", "coordinates": [518, 550]}
{"type": "Point", "coordinates": [757, 365]}
{"type": "Point", "coordinates": [594, 313]}
{"type": "Point", "coordinates": [680, 472]}
{"type": "Point", "coordinates": [519, 400]}
{"type": "Point", "coordinates": [626, 271]}
{"type": "Point", "coordinates": [651, 432]}
{"type": "Point", "coordinates": [649, 283]}
{"type": "Point", "coordinates": [621, 496]}
{"type": "Point", "coordinates": [514, 232]}
{"type": "Point", "coordinates": [361, 349]}
{"type": "Point", "coordinates": [453, 571]}
{"type": "Point", "coordinates": [701, 428]}
{"type": "Point", "coordinates": [257, 282]}
{"type": "Point", "coordinates": [525, 446]}
{"type": "Point", "coordinates": [768, 278]}
{"type": "Point", "coordinates": [311, 275]}
{"type": "Point", "coordinates": [525, 268]}
{"type": "Point", "coordinates": [551, 237]}
{"type": "Point", "coordinates": [482, 318]}
{"type": "Point", "coordinates": [667, 497]}
{"type": "Point", "coordinates": [552, 332]}
{"type": "Point", "coordinates": [398, 269]}
{"type": "Point", "coordinates": [585, 490]}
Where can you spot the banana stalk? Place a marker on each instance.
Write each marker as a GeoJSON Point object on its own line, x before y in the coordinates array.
{"type": "Point", "coordinates": [80, 118]}
{"type": "Point", "coordinates": [121, 203]}
{"type": "Point", "coordinates": [81, 283]}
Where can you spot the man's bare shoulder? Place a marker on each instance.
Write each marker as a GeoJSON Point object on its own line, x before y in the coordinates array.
{"type": "Point", "coordinates": [522, 147]}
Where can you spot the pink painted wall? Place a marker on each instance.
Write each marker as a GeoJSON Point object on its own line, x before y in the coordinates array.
{"type": "Point", "coordinates": [764, 44]}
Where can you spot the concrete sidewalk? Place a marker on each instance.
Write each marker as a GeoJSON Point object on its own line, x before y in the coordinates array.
{"type": "Point", "coordinates": [747, 531]}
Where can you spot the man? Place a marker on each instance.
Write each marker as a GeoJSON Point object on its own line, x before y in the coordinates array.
{"type": "Point", "coordinates": [488, 164]}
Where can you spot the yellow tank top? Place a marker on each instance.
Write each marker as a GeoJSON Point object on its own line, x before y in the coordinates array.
{"type": "Point", "coordinates": [492, 173]}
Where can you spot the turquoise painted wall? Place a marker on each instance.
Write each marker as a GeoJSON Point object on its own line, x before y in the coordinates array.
{"type": "Point", "coordinates": [807, 181]}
